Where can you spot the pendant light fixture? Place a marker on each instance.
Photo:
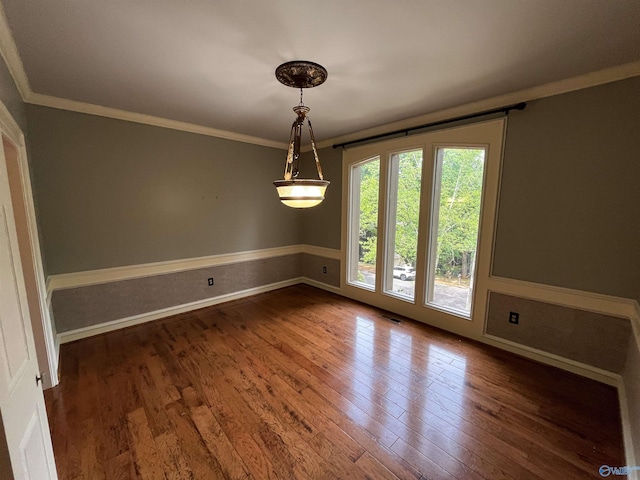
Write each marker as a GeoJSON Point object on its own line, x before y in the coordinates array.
{"type": "Point", "coordinates": [293, 191]}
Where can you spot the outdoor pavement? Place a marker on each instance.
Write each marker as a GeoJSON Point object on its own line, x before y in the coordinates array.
{"type": "Point", "coordinates": [448, 296]}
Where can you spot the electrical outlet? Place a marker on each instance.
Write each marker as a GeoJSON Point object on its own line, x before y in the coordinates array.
{"type": "Point", "coordinates": [514, 317]}
{"type": "Point", "coordinates": [324, 269]}
{"type": "Point", "coordinates": [210, 281]}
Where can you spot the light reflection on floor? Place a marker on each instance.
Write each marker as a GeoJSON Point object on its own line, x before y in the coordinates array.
{"type": "Point", "coordinates": [399, 345]}
{"type": "Point", "coordinates": [363, 359]}
{"type": "Point", "coordinates": [436, 396]}
{"type": "Point", "coordinates": [450, 411]}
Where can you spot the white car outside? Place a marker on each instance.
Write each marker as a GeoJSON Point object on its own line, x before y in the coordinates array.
{"type": "Point", "coordinates": [404, 272]}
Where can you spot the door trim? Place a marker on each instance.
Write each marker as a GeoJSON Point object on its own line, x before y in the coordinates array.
{"type": "Point", "coordinates": [12, 133]}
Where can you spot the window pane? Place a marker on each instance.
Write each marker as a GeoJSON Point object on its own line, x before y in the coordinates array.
{"type": "Point", "coordinates": [455, 220]}
{"type": "Point", "coordinates": [365, 186]}
{"type": "Point", "coordinates": [403, 213]}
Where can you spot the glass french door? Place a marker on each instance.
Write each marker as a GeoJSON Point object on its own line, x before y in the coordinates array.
{"type": "Point", "coordinates": [420, 218]}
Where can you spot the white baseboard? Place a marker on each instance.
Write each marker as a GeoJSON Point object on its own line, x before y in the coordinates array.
{"type": "Point", "coordinates": [322, 286]}
{"type": "Point", "coordinates": [80, 333]}
{"type": "Point", "coordinates": [547, 358]}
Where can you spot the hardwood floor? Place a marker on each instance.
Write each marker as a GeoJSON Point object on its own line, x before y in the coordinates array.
{"type": "Point", "coordinates": [301, 383]}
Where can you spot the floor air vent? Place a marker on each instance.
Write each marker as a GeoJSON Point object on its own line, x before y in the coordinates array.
{"type": "Point", "coordinates": [394, 320]}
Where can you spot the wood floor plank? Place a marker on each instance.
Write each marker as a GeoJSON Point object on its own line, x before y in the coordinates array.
{"type": "Point", "coordinates": [172, 458]}
{"type": "Point", "coordinates": [121, 467]}
{"type": "Point", "coordinates": [91, 466]}
{"type": "Point", "coordinates": [487, 453]}
{"type": "Point", "coordinates": [233, 467]}
{"type": "Point", "coordinates": [373, 468]}
{"type": "Point", "coordinates": [257, 461]}
{"type": "Point", "coordinates": [301, 383]}
{"type": "Point", "coordinates": [113, 417]}
{"type": "Point", "coordinates": [145, 453]}
{"type": "Point", "coordinates": [197, 456]}
{"type": "Point", "coordinates": [305, 426]}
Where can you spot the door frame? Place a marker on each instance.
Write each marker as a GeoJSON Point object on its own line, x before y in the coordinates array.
{"type": "Point", "coordinates": [11, 132]}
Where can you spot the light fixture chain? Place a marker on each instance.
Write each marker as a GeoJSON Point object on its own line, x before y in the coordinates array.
{"type": "Point", "coordinates": [315, 151]}
{"type": "Point", "coordinates": [288, 166]}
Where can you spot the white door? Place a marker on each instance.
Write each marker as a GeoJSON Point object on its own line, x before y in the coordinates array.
{"type": "Point", "coordinates": [21, 400]}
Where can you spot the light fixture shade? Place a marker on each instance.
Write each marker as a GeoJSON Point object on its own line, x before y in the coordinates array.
{"type": "Point", "coordinates": [302, 193]}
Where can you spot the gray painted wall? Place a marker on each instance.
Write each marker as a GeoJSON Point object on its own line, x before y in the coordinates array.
{"type": "Point", "coordinates": [321, 225]}
{"type": "Point", "coordinates": [10, 96]}
{"type": "Point", "coordinates": [570, 198]}
{"type": "Point", "coordinates": [116, 193]}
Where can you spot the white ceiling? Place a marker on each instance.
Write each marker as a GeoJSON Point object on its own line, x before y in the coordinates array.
{"type": "Point", "coordinates": [212, 62]}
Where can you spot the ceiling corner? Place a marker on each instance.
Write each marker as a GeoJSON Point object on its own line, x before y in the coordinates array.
{"type": "Point", "coordinates": [11, 56]}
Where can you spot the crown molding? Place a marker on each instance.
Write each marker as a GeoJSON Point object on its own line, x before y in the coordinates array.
{"type": "Point", "coordinates": [580, 82]}
{"type": "Point", "coordinates": [91, 109]}
{"type": "Point", "coordinates": [9, 52]}
{"type": "Point", "coordinates": [592, 79]}
{"type": "Point", "coordinates": [11, 56]}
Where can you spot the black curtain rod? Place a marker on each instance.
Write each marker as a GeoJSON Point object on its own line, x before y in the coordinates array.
{"type": "Point", "coordinates": [406, 131]}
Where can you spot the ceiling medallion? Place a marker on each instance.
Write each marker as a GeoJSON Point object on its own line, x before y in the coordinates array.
{"type": "Point", "coordinates": [301, 74]}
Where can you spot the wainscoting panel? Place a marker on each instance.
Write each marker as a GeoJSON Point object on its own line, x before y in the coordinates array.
{"type": "Point", "coordinates": [85, 306]}
{"type": "Point", "coordinates": [321, 269]}
{"type": "Point", "coordinates": [595, 339]}
{"type": "Point", "coordinates": [134, 293]}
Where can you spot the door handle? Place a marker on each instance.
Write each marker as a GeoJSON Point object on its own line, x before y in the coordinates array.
{"type": "Point", "coordinates": [39, 378]}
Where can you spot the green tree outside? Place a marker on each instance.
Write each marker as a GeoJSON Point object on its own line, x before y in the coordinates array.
{"type": "Point", "coordinates": [369, 187]}
{"type": "Point", "coordinates": [461, 178]}
{"type": "Point", "coordinates": [459, 212]}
